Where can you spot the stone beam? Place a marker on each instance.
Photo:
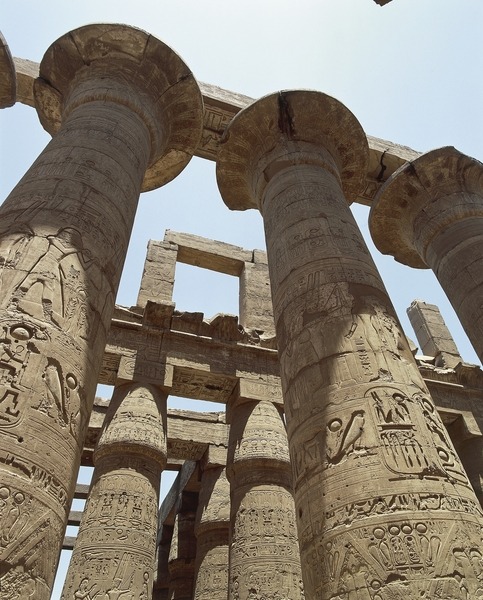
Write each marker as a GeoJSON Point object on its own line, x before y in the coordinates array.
{"type": "Point", "coordinates": [195, 358]}
{"type": "Point", "coordinates": [220, 106]}
{"type": "Point", "coordinates": [209, 254]}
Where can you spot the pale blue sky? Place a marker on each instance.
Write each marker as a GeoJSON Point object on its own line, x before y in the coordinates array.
{"type": "Point", "coordinates": [409, 71]}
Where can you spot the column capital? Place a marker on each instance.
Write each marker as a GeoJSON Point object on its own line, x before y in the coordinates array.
{"type": "Point", "coordinates": [123, 59]}
{"type": "Point", "coordinates": [8, 82]}
{"type": "Point", "coordinates": [135, 424]}
{"type": "Point", "coordinates": [290, 127]}
{"type": "Point", "coordinates": [419, 200]}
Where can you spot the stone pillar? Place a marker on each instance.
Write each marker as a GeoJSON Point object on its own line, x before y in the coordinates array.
{"type": "Point", "coordinates": [264, 555]}
{"type": "Point", "coordinates": [384, 509]}
{"type": "Point", "coordinates": [157, 283]}
{"type": "Point", "coordinates": [182, 553]}
{"type": "Point", "coordinates": [212, 529]}
{"type": "Point", "coordinates": [255, 298]}
{"type": "Point", "coordinates": [8, 80]}
{"type": "Point", "coordinates": [432, 334]}
{"type": "Point", "coordinates": [127, 113]}
{"type": "Point", "coordinates": [429, 213]}
{"type": "Point", "coordinates": [115, 550]}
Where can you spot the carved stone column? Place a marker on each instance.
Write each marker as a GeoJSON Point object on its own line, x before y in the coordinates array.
{"type": "Point", "coordinates": [115, 550]}
{"type": "Point", "coordinates": [212, 529]}
{"type": "Point", "coordinates": [8, 82]}
{"type": "Point", "coordinates": [429, 213]}
{"type": "Point", "coordinates": [182, 553]}
{"type": "Point", "coordinates": [264, 555]}
{"type": "Point", "coordinates": [384, 509]}
{"type": "Point", "coordinates": [127, 115]}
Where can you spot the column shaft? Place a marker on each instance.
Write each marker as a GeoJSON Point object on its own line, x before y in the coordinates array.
{"type": "Point", "coordinates": [182, 554]}
{"type": "Point", "coordinates": [368, 448]}
{"type": "Point", "coordinates": [126, 114]}
{"type": "Point", "coordinates": [384, 508]}
{"type": "Point", "coordinates": [212, 531]}
{"type": "Point", "coordinates": [115, 549]}
{"type": "Point", "coordinates": [65, 231]}
{"type": "Point", "coordinates": [429, 213]}
{"type": "Point", "coordinates": [264, 554]}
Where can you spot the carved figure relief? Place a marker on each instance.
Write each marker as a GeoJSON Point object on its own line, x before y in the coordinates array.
{"type": "Point", "coordinates": [343, 438]}
{"type": "Point", "coordinates": [17, 344]}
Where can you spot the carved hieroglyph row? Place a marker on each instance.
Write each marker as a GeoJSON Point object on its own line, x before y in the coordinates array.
{"type": "Point", "coordinates": [361, 425]}
{"type": "Point", "coordinates": [116, 546]}
{"type": "Point", "coordinates": [64, 233]}
{"type": "Point", "coordinates": [264, 554]}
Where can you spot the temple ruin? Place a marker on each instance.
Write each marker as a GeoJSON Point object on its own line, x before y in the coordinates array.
{"type": "Point", "coordinates": [348, 463]}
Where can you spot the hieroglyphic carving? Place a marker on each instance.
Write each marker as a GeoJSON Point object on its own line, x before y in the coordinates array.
{"type": "Point", "coordinates": [356, 426]}
{"type": "Point", "coordinates": [212, 529]}
{"type": "Point", "coordinates": [116, 544]}
{"type": "Point", "coordinates": [263, 530]}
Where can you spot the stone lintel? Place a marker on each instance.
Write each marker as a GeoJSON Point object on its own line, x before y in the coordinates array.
{"type": "Point", "coordinates": [205, 368]}
{"type": "Point", "coordinates": [455, 402]}
{"type": "Point", "coordinates": [220, 106]}
{"type": "Point", "coordinates": [74, 518]}
{"type": "Point", "coordinates": [209, 254]}
{"type": "Point", "coordinates": [27, 72]}
{"type": "Point", "coordinates": [68, 543]}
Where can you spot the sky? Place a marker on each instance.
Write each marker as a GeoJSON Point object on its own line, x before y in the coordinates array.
{"type": "Point", "coordinates": [410, 72]}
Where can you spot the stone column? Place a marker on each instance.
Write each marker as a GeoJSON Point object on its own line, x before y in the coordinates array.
{"type": "Point", "coordinates": [212, 530]}
{"type": "Point", "coordinates": [182, 553]}
{"type": "Point", "coordinates": [115, 550]}
{"type": "Point", "coordinates": [433, 335]}
{"type": "Point", "coordinates": [127, 115]}
{"type": "Point", "coordinates": [264, 555]}
{"type": "Point", "coordinates": [429, 213]}
{"type": "Point", "coordinates": [384, 509]}
{"type": "Point", "coordinates": [8, 80]}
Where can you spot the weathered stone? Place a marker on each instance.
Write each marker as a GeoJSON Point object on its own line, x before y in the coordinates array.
{"type": "Point", "coordinates": [220, 106]}
{"type": "Point", "coordinates": [263, 542]}
{"type": "Point", "coordinates": [430, 213]}
{"type": "Point", "coordinates": [116, 546]}
{"type": "Point", "coordinates": [157, 282]}
{"type": "Point", "coordinates": [212, 529]}
{"type": "Point", "coordinates": [64, 235]}
{"type": "Point", "coordinates": [182, 553]}
{"type": "Point", "coordinates": [432, 334]}
{"type": "Point", "coordinates": [356, 410]}
{"type": "Point", "coordinates": [367, 445]}
{"type": "Point", "coordinates": [8, 81]}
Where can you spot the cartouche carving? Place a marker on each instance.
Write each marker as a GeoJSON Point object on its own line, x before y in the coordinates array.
{"type": "Point", "coordinates": [368, 450]}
